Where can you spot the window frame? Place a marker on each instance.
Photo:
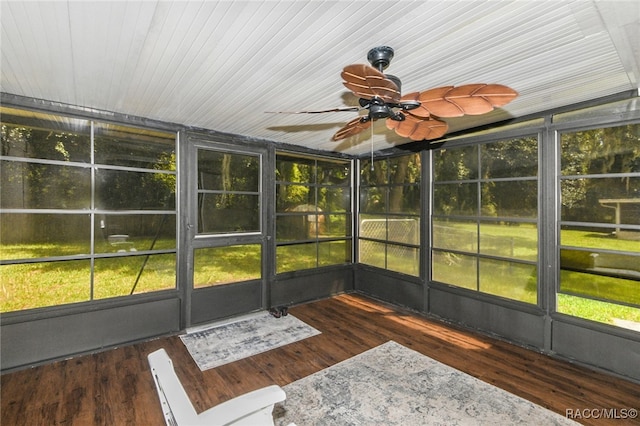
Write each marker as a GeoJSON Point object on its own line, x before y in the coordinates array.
{"type": "Point", "coordinates": [225, 149]}
{"type": "Point", "coordinates": [568, 127]}
{"type": "Point", "coordinates": [317, 241]}
{"type": "Point", "coordinates": [478, 218]}
{"type": "Point", "coordinates": [388, 243]}
{"type": "Point", "coordinates": [93, 256]}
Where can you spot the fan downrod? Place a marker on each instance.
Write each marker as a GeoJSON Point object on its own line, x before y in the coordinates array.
{"type": "Point", "coordinates": [380, 57]}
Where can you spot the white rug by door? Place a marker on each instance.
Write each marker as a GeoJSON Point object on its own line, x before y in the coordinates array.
{"type": "Point", "coordinates": [228, 342]}
{"type": "Point", "coordinates": [394, 385]}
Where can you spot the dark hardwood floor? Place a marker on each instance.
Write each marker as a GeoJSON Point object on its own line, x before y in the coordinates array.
{"type": "Point", "coordinates": [115, 387]}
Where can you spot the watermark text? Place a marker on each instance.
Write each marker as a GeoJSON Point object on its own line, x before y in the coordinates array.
{"type": "Point", "coordinates": [601, 413]}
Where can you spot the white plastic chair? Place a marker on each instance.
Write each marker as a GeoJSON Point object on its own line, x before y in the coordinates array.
{"type": "Point", "coordinates": [253, 408]}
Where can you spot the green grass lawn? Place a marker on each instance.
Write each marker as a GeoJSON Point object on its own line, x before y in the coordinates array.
{"type": "Point", "coordinates": [595, 310]}
{"type": "Point", "coordinates": [33, 285]}
{"type": "Point", "coordinates": [518, 281]}
{"type": "Point", "coordinates": [36, 285]}
{"type": "Point", "coordinates": [588, 239]}
{"type": "Point", "coordinates": [223, 265]}
{"type": "Point", "coordinates": [311, 255]}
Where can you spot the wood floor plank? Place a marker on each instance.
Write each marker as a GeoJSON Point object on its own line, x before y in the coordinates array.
{"type": "Point", "coordinates": [115, 387]}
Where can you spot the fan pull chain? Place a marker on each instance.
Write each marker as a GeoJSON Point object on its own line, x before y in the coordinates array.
{"type": "Point", "coordinates": [372, 146]}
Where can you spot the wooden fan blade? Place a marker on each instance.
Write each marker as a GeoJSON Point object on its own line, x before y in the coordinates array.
{"type": "Point", "coordinates": [353, 127]}
{"type": "Point", "coordinates": [366, 82]}
{"type": "Point", "coordinates": [316, 112]}
{"type": "Point", "coordinates": [497, 94]}
{"type": "Point", "coordinates": [418, 129]}
{"type": "Point", "coordinates": [469, 99]}
{"type": "Point", "coordinates": [464, 97]}
{"type": "Point", "coordinates": [434, 101]}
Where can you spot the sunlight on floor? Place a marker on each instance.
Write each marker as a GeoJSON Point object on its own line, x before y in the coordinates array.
{"type": "Point", "coordinates": [460, 340]}
{"type": "Point", "coordinates": [361, 304]}
{"type": "Point", "coordinates": [415, 323]}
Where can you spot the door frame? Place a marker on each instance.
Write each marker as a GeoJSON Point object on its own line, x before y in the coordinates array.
{"type": "Point", "coordinates": [217, 302]}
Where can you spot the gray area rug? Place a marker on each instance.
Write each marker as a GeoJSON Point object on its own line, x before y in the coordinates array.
{"type": "Point", "coordinates": [231, 341]}
{"type": "Point", "coordinates": [394, 385]}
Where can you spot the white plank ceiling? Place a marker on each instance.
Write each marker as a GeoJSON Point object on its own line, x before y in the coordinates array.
{"type": "Point", "coordinates": [221, 65]}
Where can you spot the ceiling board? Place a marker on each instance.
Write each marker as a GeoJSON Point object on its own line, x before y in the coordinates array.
{"type": "Point", "coordinates": [221, 65]}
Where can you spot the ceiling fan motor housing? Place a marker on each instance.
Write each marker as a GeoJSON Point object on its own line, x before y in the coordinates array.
{"type": "Point", "coordinates": [378, 109]}
{"type": "Point", "coordinates": [380, 57]}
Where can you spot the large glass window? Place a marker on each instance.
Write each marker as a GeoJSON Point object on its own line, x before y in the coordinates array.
{"type": "Point", "coordinates": [600, 225]}
{"type": "Point", "coordinates": [390, 214]}
{"type": "Point", "coordinates": [313, 212]}
{"type": "Point", "coordinates": [484, 222]}
{"type": "Point", "coordinates": [87, 210]}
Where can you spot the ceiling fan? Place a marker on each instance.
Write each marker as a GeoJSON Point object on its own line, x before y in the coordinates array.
{"type": "Point", "coordinates": [416, 115]}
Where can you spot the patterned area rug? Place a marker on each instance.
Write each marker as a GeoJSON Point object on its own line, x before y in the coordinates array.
{"type": "Point", "coordinates": [225, 343]}
{"type": "Point", "coordinates": [394, 385]}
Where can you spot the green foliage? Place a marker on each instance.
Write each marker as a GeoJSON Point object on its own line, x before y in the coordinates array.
{"type": "Point", "coordinates": [166, 161]}
{"type": "Point", "coordinates": [460, 172]}
{"type": "Point", "coordinates": [456, 164]}
{"type": "Point", "coordinates": [611, 150]}
{"type": "Point", "coordinates": [393, 185]}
